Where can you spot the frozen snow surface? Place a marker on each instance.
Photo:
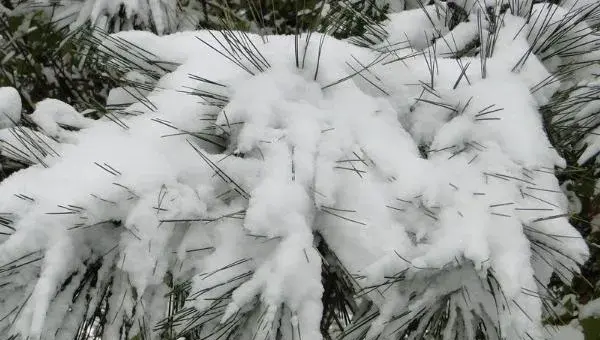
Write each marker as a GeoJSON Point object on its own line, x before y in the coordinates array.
{"type": "Point", "coordinates": [430, 178]}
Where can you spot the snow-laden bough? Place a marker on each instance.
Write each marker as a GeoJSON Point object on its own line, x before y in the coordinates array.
{"type": "Point", "coordinates": [203, 210]}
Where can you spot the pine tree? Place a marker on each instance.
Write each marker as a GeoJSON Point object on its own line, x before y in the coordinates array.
{"type": "Point", "coordinates": [396, 185]}
{"type": "Point", "coordinates": [42, 61]}
{"type": "Point", "coordinates": [168, 16]}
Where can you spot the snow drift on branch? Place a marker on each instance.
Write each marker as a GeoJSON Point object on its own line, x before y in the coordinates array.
{"type": "Point", "coordinates": [429, 177]}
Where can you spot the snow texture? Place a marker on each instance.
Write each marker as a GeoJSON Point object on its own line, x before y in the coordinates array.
{"type": "Point", "coordinates": [567, 333]}
{"type": "Point", "coordinates": [431, 180]}
{"type": "Point", "coordinates": [590, 310]}
{"type": "Point", "coordinates": [10, 107]}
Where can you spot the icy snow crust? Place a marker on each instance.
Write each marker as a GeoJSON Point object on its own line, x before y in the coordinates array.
{"type": "Point", "coordinates": [450, 205]}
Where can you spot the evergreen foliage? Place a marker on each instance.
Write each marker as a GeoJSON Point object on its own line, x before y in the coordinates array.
{"type": "Point", "coordinates": [199, 243]}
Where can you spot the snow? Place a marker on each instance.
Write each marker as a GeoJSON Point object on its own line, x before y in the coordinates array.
{"type": "Point", "coordinates": [582, 6]}
{"type": "Point", "coordinates": [590, 310]}
{"type": "Point", "coordinates": [165, 16]}
{"type": "Point", "coordinates": [567, 333]}
{"type": "Point", "coordinates": [448, 182]}
{"type": "Point", "coordinates": [584, 112]}
{"type": "Point", "coordinates": [416, 26]}
{"type": "Point", "coordinates": [52, 115]}
{"type": "Point", "coordinates": [10, 107]}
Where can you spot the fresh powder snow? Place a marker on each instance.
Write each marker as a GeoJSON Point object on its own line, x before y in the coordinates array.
{"type": "Point", "coordinates": [430, 178]}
